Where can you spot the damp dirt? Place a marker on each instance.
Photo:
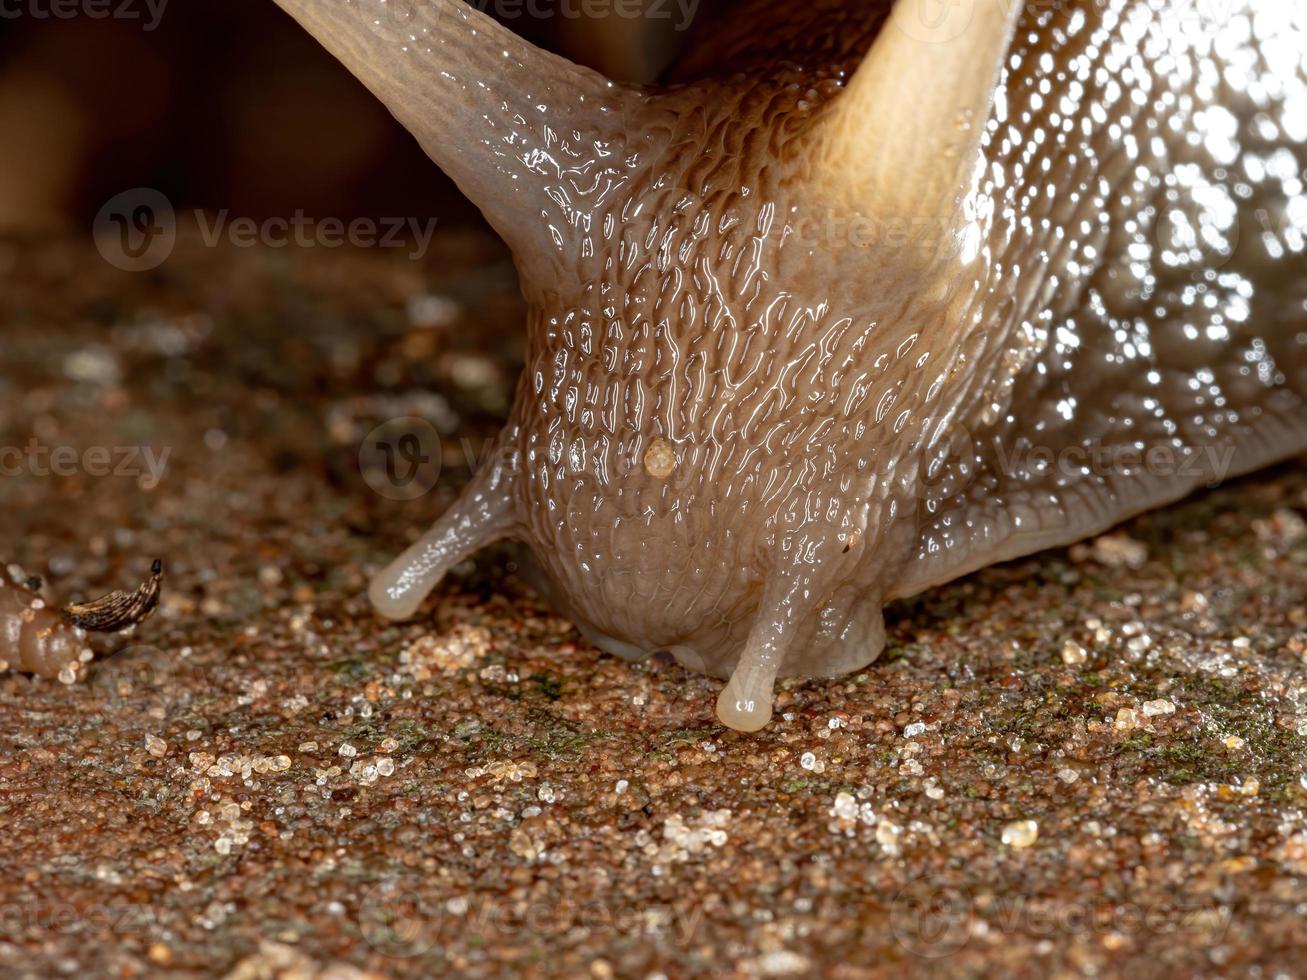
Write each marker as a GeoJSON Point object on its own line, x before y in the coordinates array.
{"type": "Point", "coordinates": [1086, 762]}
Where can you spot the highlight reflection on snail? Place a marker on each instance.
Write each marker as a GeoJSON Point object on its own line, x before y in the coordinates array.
{"type": "Point", "coordinates": [809, 323]}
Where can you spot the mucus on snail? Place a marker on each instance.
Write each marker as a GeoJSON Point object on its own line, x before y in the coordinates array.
{"type": "Point", "coordinates": [743, 427]}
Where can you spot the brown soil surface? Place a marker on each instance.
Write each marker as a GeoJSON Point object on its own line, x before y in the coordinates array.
{"type": "Point", "coordinates": [1088, 762]}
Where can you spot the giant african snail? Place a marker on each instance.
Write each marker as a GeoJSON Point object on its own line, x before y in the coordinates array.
{"type": "Point", "coordinates": [754, 409]}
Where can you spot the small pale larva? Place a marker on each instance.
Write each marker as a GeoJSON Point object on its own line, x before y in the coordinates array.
{"type": "Point", "coordinates": [38, 638]}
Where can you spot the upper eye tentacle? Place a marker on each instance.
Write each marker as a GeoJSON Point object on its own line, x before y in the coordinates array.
{"type": "Point", "coordinates": [525, 134]}
{"type": "Point", "coordinates": [902, 139]}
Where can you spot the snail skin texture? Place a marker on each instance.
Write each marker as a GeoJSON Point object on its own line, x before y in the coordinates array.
{"type": "Point", "coordinates": [38, 638]}
{"type": "Point", "coordinates": [861, 297]}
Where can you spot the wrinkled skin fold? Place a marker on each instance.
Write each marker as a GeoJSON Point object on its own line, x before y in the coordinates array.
{"type": "Point", "coordinates": [860, 300]}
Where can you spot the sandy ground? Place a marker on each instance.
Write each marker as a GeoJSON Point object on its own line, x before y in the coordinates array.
{"type": "Point", "coordinates": [1089, 762]}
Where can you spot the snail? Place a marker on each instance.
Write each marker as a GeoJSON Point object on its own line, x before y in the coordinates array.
{"type": "Point", "coordinates": [858, 298]}
{"type": "Point", "coordinates": [37, 638]}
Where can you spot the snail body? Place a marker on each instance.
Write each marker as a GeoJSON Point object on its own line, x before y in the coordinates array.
{"type": "Point", "coordinates": [39, 638]}
{"type": "Point", "coordinates": [866, 300]}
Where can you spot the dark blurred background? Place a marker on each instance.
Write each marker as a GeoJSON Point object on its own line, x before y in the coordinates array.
{"type": "Point", "coordinates": [220, 104]}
